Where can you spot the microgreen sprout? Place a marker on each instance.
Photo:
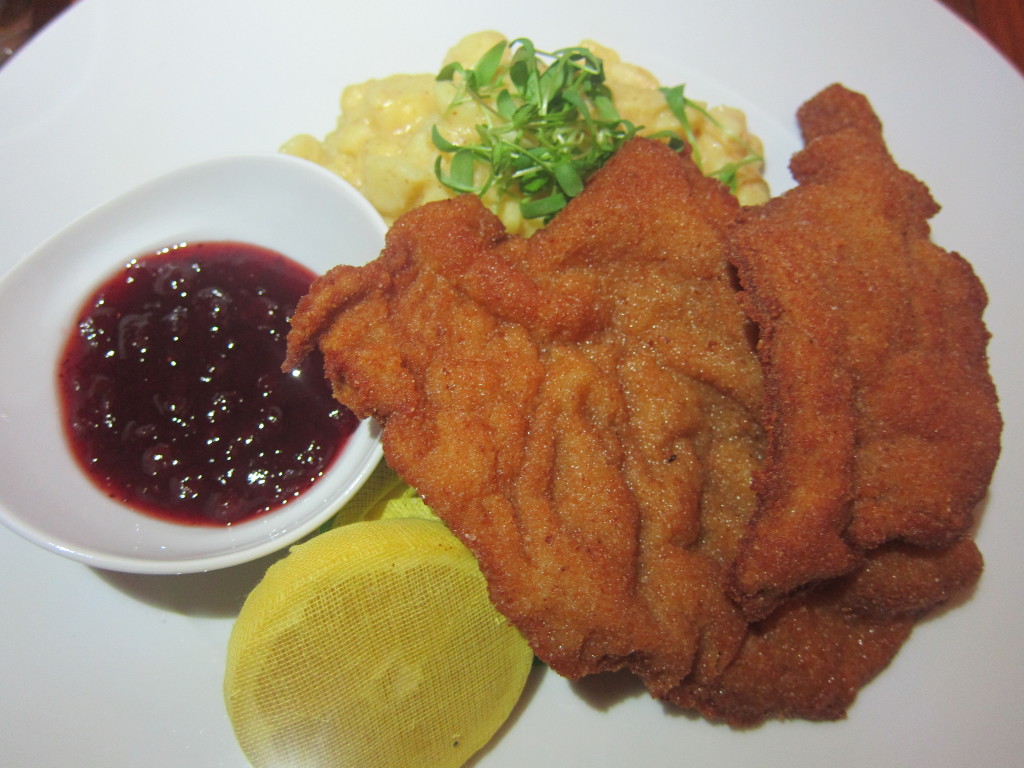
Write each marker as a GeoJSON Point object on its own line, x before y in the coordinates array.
{"type": "Point", "coordinates": [550, 123]}
{"type": "Point", "coordinates": [678, 104]}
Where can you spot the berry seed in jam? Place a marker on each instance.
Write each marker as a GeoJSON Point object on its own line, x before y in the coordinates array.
{"type": "Point", "coordinates": [173, 395]}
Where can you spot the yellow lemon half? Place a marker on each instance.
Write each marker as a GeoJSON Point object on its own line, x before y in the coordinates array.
{"type": "Point", "coordinates": [370, 646]}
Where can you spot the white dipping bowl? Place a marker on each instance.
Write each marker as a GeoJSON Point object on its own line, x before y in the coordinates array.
{"type": "Point", "coordinates": [274, 201]}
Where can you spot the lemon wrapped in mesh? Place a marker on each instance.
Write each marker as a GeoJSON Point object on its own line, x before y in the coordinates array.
{"type": "Point", "coordinates": [373, 644]}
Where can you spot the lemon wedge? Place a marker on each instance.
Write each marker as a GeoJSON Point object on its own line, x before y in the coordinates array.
{"type": "Point", "coordinates": [373, 645]}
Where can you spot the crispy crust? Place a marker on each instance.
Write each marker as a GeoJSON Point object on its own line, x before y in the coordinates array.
{"type": "Point", "coordinates": [753, 530]}
{"type": "Point", "coordinates": [881, 417]}
{"type": "Point", "coordinates": [552, 400]}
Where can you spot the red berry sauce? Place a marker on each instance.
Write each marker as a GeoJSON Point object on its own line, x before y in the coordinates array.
{"type": "Point", "coordinates": [173, 396]}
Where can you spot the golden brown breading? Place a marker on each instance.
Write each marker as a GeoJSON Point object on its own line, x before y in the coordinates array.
{"type": "Point", "coordinates": [812, 655]}
{"type": "Point", "coordinates": [586, 410]}
{"type": "Point", "coordinates": [881, 417]}
{"type": "Point", "coordinates": [579, 407]}
{"type": "Point", "coordinates": [807, 660]}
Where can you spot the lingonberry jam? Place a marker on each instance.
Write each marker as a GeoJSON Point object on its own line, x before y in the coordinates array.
{"type": "Point", "coordinates": [173, 396]}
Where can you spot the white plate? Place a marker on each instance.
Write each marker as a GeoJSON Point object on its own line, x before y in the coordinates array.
{"type": "Point", "coordinates": [109, 671]}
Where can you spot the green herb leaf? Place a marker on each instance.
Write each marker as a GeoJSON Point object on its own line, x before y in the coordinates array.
{"type": "Point", "coordinates": [506, 105]}
{"type": "Point", "coordinates": [487, 67]}
{"type": "Point", "coordinates": [568, 179]}
{"type": "Point", "coordinates": [462, 169]}
{"type": "Point", "coordinates": [440, 142]}
{"type": "Point", "coordinates": [550, 122]}
{"type": "Point", "coordinates": [448, 72]}
{"type": "Point", "coordinates": [678, 103]}
{"type": "Point", "coordinates": [538, 208]}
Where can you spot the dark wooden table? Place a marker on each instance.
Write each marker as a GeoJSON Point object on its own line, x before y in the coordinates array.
{"type": "Point", "coordinates": [20, 19]}
{"type": "Point", "coordinates": [1001, 21]}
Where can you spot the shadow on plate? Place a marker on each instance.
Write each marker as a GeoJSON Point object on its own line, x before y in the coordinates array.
{"type": "Point", "coordinates": [214, 594]}
{"type": "Point", "coordinates": [608, 689]}
{"type": "Point", "coordinates": [533, 682]}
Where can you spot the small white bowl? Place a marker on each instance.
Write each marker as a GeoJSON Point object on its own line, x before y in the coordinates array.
{"type": "Point", "coordinates": [275, 201]}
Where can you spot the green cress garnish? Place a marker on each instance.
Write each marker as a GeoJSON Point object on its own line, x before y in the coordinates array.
{"type": "Point", "coordinates": [678, 103]}
{"type": "Point", "coordinates": [547, 130]}
{"type": "Point", "coordinates": [550, 123]}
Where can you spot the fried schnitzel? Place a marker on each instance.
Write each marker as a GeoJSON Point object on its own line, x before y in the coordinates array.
{"type": "Point", "coordinates": [621, 434]}
{"type": "Point", "coordinates": [580, 407]}
{"type": "Point", "coordinates": [881, 417]}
